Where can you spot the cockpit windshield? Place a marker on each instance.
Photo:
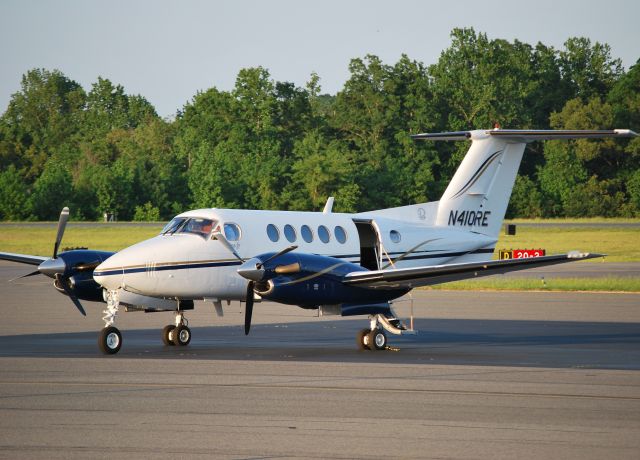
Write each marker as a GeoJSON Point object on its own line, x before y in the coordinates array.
{"type": "Point", "coordinates": [172, 226]}
{"type": "Point", "coordinates": [195, 225]}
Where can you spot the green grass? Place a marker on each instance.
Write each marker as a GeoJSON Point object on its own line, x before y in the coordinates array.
{"type": "Point", "coordinates": [26, 239]}
{"type": "Point", "coordinates": [619, 243]}
{"type": "Point", "coordinates": [555, 284]}
{"type": "Point", "coordinates": [574, 220]}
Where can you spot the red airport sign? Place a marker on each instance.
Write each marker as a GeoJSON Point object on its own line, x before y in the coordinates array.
{"type": "Point", "coordinates": [520, 253]}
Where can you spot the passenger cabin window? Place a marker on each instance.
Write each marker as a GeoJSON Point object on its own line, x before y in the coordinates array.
{"type": "Point", "coordinates": [395, 236]}
{"type": "Point", "coordinates": [289, 233]}
{"type": "Point", "coordinates": [323, 234]}
{"type": "Point", "coordinates": [340, 234]}
{"type": "Point", "coordinates": [232, 232]}
{"type": "Point", "coordinates": [306, 233]}
{"type": "Point", "coordinates": [273, 233]}
{"type": "Point", "coordinates": [196, 225]}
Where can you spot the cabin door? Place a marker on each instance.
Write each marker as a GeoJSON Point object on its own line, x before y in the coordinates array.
{"type": "Point", "coordinates": [369, 244]}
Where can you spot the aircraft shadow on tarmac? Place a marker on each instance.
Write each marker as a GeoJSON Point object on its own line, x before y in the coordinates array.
{"type": "Point", "coordinates": [559, 344]}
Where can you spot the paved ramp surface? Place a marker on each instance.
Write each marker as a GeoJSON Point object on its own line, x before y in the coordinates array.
{"type": "Point", "coordinates": [490, 375]}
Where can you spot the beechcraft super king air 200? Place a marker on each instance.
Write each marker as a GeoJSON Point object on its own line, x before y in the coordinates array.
{"type": "Point", "coordinates": [343, 264]}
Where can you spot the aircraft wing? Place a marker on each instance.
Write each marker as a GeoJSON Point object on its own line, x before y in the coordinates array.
{"type": "Point", "coordinates": [437, 274]}
{"type": "Point", "coordinates": [22, 258]}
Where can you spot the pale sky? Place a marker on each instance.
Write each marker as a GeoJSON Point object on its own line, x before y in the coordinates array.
{"type": "Point", "coordinates": [169, 50]}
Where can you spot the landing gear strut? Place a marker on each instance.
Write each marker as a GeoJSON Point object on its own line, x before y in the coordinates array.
{"type": "Point", "coordinates": [178, 334]}
{"type": "Point", "coordinates": [110, 338]}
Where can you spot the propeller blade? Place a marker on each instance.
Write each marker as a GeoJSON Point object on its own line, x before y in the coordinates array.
{"type": "Point", "coordinates": [278, 254]}
{"type": "Point", "coordinates": [37, 272]}
{"type": "Point", "coordinates": [248, 310]}
{"type": "Point", "coordinates": [220, 237]}
{"type": "Point", "coordinates": [62, 283]}
{"type": "Point", "coordinates": [62, 223]}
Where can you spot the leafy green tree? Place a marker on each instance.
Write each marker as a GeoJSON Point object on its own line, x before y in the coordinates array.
{"type": "Point", "coordinates": [40, 118]}
{"type": "Point", "coordinates": [146, 213]}
{"type": "Point", "coordinates": [52, 191]}
{"type": "Point", "coordinates": [526, 199]}
{"type": "Point", "coordinates": [13, 195]}
{"type": "Point", "coordinates": [321, 169]}
{"type": "Point", "coordinates": [589, 69]}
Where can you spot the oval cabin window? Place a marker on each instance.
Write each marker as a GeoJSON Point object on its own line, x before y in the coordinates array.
{"type": "Point", "coordinates": [273, 233]}
{"type": "Point", "coordinates": [323, 234]}
{"type": "Point", "coordinates": [341, 235]}
{"type": "Point", "coordinates": [289, 233]}
{"type": "Point", "coordinates": [306, 233]}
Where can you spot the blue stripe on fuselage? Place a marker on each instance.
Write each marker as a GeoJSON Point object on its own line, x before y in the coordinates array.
{"type": "Point", "coordinates": [213, 264]}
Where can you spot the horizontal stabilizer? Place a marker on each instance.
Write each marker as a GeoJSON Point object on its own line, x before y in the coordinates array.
{"type": "Point", "coordinates": [437, 274]}
{"type": "Point", "coordinates": [525, 135]}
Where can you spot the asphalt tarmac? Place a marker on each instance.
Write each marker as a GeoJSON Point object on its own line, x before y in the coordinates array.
{"type": "Point", "coordinates": [489, 375]}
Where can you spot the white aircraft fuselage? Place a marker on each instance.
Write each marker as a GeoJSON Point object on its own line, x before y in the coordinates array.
{"type": "Point", "coordinates": [192, 265]}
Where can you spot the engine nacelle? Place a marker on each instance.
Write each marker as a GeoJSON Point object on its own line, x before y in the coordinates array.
{"type": "Point", "coordinates": [316, 280]}
{"type": "Point", "coordinates": [78, 273]}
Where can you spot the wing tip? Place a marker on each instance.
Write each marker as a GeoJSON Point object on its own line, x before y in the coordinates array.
{"type": "Point", "coordinates": [584, 255]}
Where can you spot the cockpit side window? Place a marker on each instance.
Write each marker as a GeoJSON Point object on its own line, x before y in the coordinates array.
{"type": "Point", "coordinates": [196, 225]}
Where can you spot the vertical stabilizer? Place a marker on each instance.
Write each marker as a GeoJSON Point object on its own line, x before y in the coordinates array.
{"type": "Point", "coordinates": [478, 194]}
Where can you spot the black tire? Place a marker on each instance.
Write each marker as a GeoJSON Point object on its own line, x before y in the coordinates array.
{"type": "Point", "coordinates": [110, 340]}
{"type": "Point", "coordinates": [377, 339]}
{"type": "Point", "coordinates": [167, 336]}
{"type": "Point", "coordinates": [182, 335]}
{"type": "Point", "coordinates": [362, 339]}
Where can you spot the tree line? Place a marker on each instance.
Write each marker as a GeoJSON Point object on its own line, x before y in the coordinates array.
{"type": "Point", "coordinates": [272, 145]}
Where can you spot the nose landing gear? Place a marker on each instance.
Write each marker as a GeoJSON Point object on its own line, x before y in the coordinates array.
{"type": "Point", "coordinates": [110, 338]}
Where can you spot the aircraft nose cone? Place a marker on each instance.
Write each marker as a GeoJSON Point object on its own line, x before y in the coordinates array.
{"type": "Point", "coordinates": [51, 267]}
{"type": "Point", "coordinates": [250, 270]}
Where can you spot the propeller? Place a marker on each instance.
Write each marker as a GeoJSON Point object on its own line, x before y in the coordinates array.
{"type": "Point", "coordinates": [248, 311]}
{"type": "Point", "coordinates": [253, 269]}
{"type": "Point", "coordinates": [56, 267]}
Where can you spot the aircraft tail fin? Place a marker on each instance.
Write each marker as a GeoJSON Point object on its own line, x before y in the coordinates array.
{"type": "Point", "coordinates": [478, 194]}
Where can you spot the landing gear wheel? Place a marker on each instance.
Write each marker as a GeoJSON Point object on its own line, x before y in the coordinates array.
{"type": "Point", "coordinates": [362, 339]}
{"type": "Point", "coordinates": [167, 335]}
{"type": "Point", "coordinates": [182, 335]}
{"type": "Point", "coordinates": [110, 340]}
{"type": "Point", "coordinates": [377, 339]}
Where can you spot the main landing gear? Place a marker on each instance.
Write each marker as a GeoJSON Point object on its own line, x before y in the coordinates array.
{"type": "Point", "coordinates": [178, 334]}
{"type": "Point", "coordinates": [374, 338]}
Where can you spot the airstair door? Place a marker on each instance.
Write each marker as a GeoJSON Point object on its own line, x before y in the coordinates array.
{"type": "Point", "coordinates": [369, 244]}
